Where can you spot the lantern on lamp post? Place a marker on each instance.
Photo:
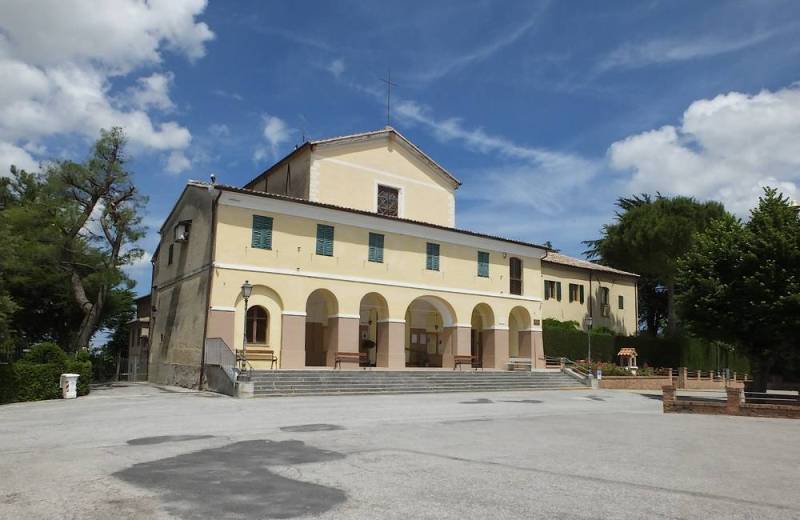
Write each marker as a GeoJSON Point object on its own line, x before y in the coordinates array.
{"type": "Point", "coordinates": [588, 321]}
{"type": "Point", "coordinates": [247, 290]}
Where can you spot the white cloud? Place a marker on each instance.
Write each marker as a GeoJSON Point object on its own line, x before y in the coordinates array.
{"type": "Point", "coordinates": [177, 162]}
{"type": "Point", "coordinates": [152, 92]}
{"type": "Point", "coordinates": [227, 95]}
{"type": "Point", "coordinates": [726, 148]}
{"type": "Point", "coordinates": [219, 130]}
{"type": "Point", "coordinates": [536, 193]}
{"type": "Point", "coordinates": [57, 62]}
{"type": "Point", "coordinates": [336, 67]}
{"type": "Point", "coordinates": [642, 54]}
{"type": "Point", "coordinates": [478, 54]}
{"type": "Point", "coordinates": [11, 155]}
{"type": "Point", "coordinates": [276, 132]}
{"type": "Point", "coordinates": [561, 166]}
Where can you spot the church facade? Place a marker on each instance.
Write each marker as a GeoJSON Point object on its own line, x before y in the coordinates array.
{"type": "Point", "coordinates": [351, 250]}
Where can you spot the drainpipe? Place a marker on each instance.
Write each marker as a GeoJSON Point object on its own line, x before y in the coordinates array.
{"type": "Point", "coordinates": [213, 247]}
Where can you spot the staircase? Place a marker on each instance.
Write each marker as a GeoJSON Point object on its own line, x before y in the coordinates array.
{"type": "Point", "coordinates": [270, 383]}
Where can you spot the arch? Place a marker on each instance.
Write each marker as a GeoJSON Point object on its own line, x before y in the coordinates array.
{"type": "Point", "coordinates": [519, 320]}
{"type": "Point", "coordinates": [485, 314]}
{"type": "Point", "coordinates": [372, 310]}
{"type": "Point", "coordinates": [269, 300]}
{"type": "Point", "coordinates": [481, 321]}
{"type": "Point", "coordinates": [426, 319]}
{"type": "Point", "coordinates": [376, 304]}
{"type": "Point", "coordinates": [256, 325]}
{"type": "Point", "coordinates": [321, 305]}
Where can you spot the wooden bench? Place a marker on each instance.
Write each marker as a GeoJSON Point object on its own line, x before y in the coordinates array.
{"type": "Point", "coordinates": [350, 357]}
{"type": "Point", "coordinates": [255, 353]}
{"type": "Point", "coordinates": [462, 360]}
{"type": "Point", "coordinates": [519, 362]}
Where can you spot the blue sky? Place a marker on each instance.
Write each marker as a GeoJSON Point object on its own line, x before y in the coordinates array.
{"type": "Point", "coordinates": [561, 106]}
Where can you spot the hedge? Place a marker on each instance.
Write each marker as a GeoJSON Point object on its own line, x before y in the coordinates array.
{"type": "Point", "coordinates": [38, 375]}
{"type": "Point", "coordinates": [681, 351]}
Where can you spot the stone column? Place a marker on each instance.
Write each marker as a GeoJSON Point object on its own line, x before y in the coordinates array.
{"type": "Point", "coordinates": [457, 342]}
{"type": "Point", "coordinates": [495, 348]}
{"type": "Point", "coordinates": [524, 342]}
{"type": "Point", "coordinates": [342, 337]}
{"type": "Point", "coordinates": [391, 344]}
{"type": "Point", "coordinates": [734, 398]}
{"type": "Point", "coordinates": [293, 341]}
{"type": "Point", "coordinates": [668, 399]}
{"type": "Point", "coordinates": [682, 377]}
{"type": "Point", "coordinates": [537, 348]}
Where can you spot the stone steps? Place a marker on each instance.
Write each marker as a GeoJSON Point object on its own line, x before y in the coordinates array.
{"type": "Point", "coordinates": [283, 383]}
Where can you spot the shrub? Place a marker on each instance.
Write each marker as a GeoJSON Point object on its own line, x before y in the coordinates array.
{"type": "Point", "coordinates": [550, 323]}
{"type": "Point", "coordinates": [36, 382]}
{"type": "Point", "coordinates": [38, 375]}
{"type": "Point", "coordinates": [46, 352]}
{"type": "Point", "coordinates": [8, 383]}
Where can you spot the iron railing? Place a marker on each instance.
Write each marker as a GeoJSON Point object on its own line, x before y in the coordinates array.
{"type": "Point", "coordinates": [218, 353]}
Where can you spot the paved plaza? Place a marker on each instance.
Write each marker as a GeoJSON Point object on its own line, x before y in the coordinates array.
{"type": "Point", "coordinates": [139, 451]}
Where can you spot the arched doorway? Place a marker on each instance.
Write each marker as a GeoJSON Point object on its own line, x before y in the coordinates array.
{"type": "Point", "coordinates": [320, 306]}
{"type": "Point", "coordinates": [373, 310]}
{"type": "Point", "coordinates": [481, 349]}
{"type": "Point", "coordinates": [519, 320]}
{"type": "Point", "coordinates": [426, 320]}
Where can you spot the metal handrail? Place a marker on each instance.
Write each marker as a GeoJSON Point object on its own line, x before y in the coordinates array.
{"type": "Point", "coordinates": [220, 354]}
{"type": "Point", "coordinates": [567, 363]}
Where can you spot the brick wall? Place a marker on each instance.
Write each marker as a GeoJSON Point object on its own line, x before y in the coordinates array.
{"type": "Point", "coordinates": [634, 382]}
{"type": "Point", "coordinates": [733, 405]}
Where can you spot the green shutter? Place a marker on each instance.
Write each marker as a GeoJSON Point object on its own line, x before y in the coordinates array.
{"type": "Point", "coordinates": [262, 232]}
{"type": "Point", "coordinates": [558, 291]}
{"type": "Point", "coordinates": [375, 247]}
{"type": "Point", "coordinates": [483, 264]}
{"type": "Point", "coordinates": [581, 290]}
{"type": "Point", "coordinates": [324, 240]}
{"type": "Point", "coordinates": [621, 302]}
{"type": "Point", "coordinates": [432, 258]}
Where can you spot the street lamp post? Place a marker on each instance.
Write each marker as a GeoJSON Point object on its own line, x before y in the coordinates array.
{"type": "Point", "coordinates": [247, 290]}
{"type": "Point", "coordinates": [588, 322]}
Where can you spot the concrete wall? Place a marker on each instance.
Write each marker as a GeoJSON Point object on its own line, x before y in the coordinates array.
{"type": "Point", "coordinates": [622, 321]}
{"type": "Point", "coordinates": [179, 294]}
{"type": "Point", "coordinates": [288, 178]}
{"type": "Point", "coordinates": [348, 175]}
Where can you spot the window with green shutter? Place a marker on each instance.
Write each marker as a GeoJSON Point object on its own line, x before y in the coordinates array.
{"type": "Point", "coordinates": [432, 257]}
{"type": "Point", "coordinates": [483, 264]}
{"type": "Point", "coordinates": [558, 291]}
{"type": "Point", "coordinates": [621, 301]}
{"type": "Point", "coordinates": [262, 232]}
{"type": "Point", "coordinates": [582, 294]}
{"type": "Point", "coordinates": [324, 240]}
{"type": "Point", "coordinates": [375, 247]}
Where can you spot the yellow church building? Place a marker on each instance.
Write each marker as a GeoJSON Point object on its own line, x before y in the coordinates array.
{"type": "Point", "coordinates": [348, 254]}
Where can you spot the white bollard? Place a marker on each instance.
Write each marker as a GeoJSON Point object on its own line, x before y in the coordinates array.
{"type": "Point", "coordinates": [69, 386]}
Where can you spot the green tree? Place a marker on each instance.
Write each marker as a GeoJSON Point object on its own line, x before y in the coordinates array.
{"type": "Point", "coordinates": [740, 284]}
{"type": "Point", "coordinates": [66, 234]}
{"type": "Point", "coordinates": [104, 207]}
{"type": "Point", "coordinates": [647, 237]}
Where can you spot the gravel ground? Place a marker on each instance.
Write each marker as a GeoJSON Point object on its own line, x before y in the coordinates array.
{"type": "Point", "coordinates": [137, 451]}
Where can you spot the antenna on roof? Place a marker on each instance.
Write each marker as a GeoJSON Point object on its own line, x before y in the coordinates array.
{"type": "Point", "coordinates": [303, 124]}
{"type": "Point", "coordinates": [389, 86]}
